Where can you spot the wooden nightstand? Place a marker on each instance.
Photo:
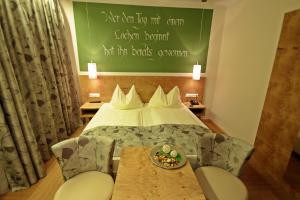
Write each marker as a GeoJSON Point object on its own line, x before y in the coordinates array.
{"type": "Point", "coordinates": [88, 110]}
{"type": "Point", "coordinates": [198, 110]}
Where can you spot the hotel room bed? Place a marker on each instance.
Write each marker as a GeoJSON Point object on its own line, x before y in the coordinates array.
{"type": "Point", "coordinates": [148, 126]}
{"type": "Point", "coordinates": [107, 115]}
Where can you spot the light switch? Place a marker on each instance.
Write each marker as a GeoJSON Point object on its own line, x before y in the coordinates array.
{"type": "Point", "coordinates": [96, 94]}
{"type": "Point", "coordinates": [191, 95]}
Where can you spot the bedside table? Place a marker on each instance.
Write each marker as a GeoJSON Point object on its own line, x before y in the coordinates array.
{"type": "Point", "coordinates": [88, 110]}
{"type": "Point", "coordinates": [198, 110]}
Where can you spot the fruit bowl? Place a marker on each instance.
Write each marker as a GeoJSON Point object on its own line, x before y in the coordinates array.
{"type": "Point", "coordinates": [167, 157]}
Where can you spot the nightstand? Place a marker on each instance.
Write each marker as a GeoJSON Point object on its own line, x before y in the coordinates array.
{"type": "Point", "coordinates": [88, 110]}
{"type": "Point", "coordinates": [198, 110]}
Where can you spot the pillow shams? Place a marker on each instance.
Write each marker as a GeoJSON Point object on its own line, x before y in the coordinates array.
{"type": "Point", "coordinates": [160, 99]}
{"type": "Point", "coordinates": [133, 100]}
{"type": "Point", "coordinates": [130, 101]}
{"type": "Point", "coordinates": [118, 99]}
{"type": "Point", "coordinates": [173, 97]}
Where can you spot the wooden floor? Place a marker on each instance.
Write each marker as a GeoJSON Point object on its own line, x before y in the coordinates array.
{"type": "Point", "coordinates": [44, 190]}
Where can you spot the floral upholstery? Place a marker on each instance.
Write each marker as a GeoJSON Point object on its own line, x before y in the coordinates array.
{"type": "Point", "coordinates": [223, 151]}
{"type": "Point", "coordinates": [181, 135]}
{"type": "Point", "coordinates": [214, 149]}
{"type": "Point", "coordinates": [4, 185]}
{"type": "Point", "coordinates": [39, 90]}
{"type": "Point", "coordinates": [85, 153]}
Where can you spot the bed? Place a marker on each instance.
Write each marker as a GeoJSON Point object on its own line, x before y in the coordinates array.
{"type": "Point", "coordinates": [148, 126]}
{"type": "Point", "coordinates": [107, 115]}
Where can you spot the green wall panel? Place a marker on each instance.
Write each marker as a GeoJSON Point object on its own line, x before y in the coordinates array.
{"type": "Point", "coordinates": [127, 38]}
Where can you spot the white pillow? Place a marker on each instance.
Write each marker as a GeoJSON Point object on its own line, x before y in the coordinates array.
{"type": "Point", "coordinates": [130, 101]}
{"type": "Point", "coordinates": [133, 100]}
{"type": "Point", "coordinates": [118, 98]}
{"type": "Point", "coordinates": [158, 99]}
{"type": "Point", "coordinates": [173, 97]}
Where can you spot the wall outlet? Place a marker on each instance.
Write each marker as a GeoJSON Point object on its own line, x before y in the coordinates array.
{"type": "Point", "coordinates": [94, 94]}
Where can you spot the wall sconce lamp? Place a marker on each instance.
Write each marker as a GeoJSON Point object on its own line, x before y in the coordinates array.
{"type": "Point", "coordinates": [92, 70]}
{"type": "Point", "coordinates": [196, 72]}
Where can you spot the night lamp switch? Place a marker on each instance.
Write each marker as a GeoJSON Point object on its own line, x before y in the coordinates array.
{"type": "Point", "coordinates": [191, 95]}
{"type": "Point", "coordinates": [94, 94]}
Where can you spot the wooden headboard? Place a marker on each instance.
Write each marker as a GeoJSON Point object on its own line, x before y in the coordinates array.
{"type": "Point", "coordinates": [145, 85]}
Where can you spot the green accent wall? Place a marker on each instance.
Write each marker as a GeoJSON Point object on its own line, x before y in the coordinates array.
{"type": "Point", "coordinates": [127, 38]}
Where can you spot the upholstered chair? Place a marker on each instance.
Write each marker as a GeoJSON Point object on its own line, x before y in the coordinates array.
{"type": "Point", "coordinates": [85, 162]}
{"type": "Point", "coordinates": [220, 160]}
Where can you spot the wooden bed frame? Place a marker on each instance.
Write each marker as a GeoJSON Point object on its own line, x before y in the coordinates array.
{"type": "Point", "coordinates": [145, 86]}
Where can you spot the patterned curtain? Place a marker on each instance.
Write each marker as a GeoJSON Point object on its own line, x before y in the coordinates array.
{"type": "Point", "coordinates": [39, 98]}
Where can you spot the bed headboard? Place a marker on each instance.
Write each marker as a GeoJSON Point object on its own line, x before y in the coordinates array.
{"type": "Point", "coordinates": [145, 85]}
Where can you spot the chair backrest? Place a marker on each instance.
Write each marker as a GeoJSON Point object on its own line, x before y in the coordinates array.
{"type": "Point", "coordinates": [223, 151]}
{"type": "Point", "coordinates": [84, 153]}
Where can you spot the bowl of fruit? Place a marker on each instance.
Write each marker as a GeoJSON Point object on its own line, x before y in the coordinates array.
{"type": "Point", "coordinates": [167, 157]}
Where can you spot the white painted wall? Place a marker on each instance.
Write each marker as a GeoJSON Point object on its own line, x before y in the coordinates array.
{"type": "Point", "coordinates": [250, 37]}
{"type": "Point", "coordinates": [215, 42]}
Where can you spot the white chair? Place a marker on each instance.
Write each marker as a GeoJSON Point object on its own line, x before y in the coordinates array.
{"type": "Point", "coordinates": [221, 158]}
{"type": "Point", "coordinates": [86, 166]}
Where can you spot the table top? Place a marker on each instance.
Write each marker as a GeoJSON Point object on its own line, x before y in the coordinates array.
{"type": "Point", "coordinates": [199, 106]}
{"type": "Point", "coordinates": [89, 105]}
{"type": "Point", "coordinates": [139, 178]}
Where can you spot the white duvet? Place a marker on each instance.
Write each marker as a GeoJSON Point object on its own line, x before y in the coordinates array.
{"type": "Point", "coordinates": [165, 115]}
{"type": "Point", "coordinates": [107, 115]}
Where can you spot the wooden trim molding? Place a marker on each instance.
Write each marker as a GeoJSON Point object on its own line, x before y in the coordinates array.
{"type": "Point", "coordinates": [141, 74]}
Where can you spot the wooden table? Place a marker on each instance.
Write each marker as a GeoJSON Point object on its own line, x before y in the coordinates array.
{"type": "Point", "coordinates": [198, 110]}
{"type": "Point", "coordinates": [88, 110]}
{"type": "Point", "coordinates": [138, 178]}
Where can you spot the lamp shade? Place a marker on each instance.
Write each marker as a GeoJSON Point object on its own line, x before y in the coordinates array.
{"type": "Point", "coordinates": [197, 72]}
{"type": "Point", "coordinates": [92, 70]}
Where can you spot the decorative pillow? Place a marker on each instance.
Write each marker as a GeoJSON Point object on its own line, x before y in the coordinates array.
{"type": "Point", "coordinates": [173, 97]}
{"type": "Point", "coordinates": [158, 99]}
{"type": "Point", "coordinates": [130, 101]}
{"type": "Point", "coordinates": [118, 99]}
{"type": "Point", "coordinates": [133, 100]}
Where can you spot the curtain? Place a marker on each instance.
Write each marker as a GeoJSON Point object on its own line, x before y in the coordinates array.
{"type": "Point", "coordinates": [4, 185]}
{"type": "Point", "coordinates": [38, 93]}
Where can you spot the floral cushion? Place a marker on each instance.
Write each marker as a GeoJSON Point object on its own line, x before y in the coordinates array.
{"type": "Point", "coordinates": [223, 151]}
{"type": "Point", "coordinates": [85, 153]}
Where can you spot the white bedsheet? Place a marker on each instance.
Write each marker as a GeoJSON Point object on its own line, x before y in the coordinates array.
{"type": "Point", "coordinates": [107, 115]}
{"type": "Point", "coordinates": [180, 115]}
